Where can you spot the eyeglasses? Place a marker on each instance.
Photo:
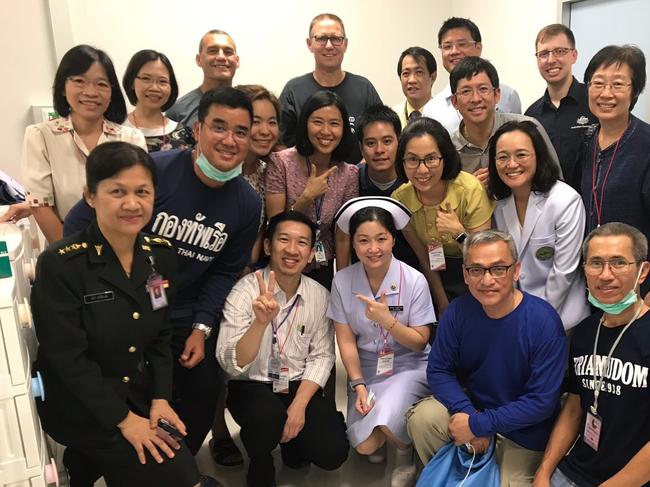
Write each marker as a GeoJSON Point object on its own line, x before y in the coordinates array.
{"type": "Point", "coordinates": [467, 93]}
{"type": "Point", "coordinates": [615, 87]}
{"type": "Point", "coordinates": [519, 157]}
{"type": "Point", "coordinates": [148, 80]}
{"type": "Point", "coordinates": [81, 83]}
{"type": "Point", "coordinates": [616, 266]}
{"type": "Point", "coordinates": [496, 271]}
{"type": "Point", "coordinates": [558, 52]}
{"type": "Point", "coordinates": [432, 162]}
{"type": "Point", "coordinates": [335, 40]}
{"type": "Point", "coordinates": [238, 134]}
{"type": "Point", "coordinates": [460, 45]}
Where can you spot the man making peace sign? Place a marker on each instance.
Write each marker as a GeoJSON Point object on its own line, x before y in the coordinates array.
{"type": "Point", "coordinates": [278, 347]}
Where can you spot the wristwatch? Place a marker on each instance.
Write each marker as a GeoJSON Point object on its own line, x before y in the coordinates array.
{"type": "Point", "coordinates": [356, 382]}
{"type": "Point", "coordinates": [207, 330]}
{"type": "Point", "coordinates": [461, 238]}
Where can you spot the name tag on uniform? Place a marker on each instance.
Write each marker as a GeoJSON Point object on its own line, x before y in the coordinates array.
{"type": "Point", "coordinates": [436, 256]}
{"type": "Point", "coordinates": [156, 289]}
{"type": "Point", "coordinates": [591, 435]}
{"type": "Point", "coordinates": [99, 297]}
{"type": "Point", "coordinates": [396, 308]}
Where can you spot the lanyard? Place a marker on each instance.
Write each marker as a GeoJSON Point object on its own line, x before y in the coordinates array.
{"type": "Point", "coordinates": [318, 202]}
{"type": "Point", "coordinates": [599, 207]}
{"type": "Point", "coordinates": [276, 328]}
{"type": "Point", "coordinates": [383, 336]}
{"type": "Point", "coordinates": [599, 381]}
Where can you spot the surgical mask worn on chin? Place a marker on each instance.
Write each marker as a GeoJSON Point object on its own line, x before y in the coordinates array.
{"type": "Point", "coordinates": [215, 174]}
{"type": "Point", "coordinates": [623, 304]}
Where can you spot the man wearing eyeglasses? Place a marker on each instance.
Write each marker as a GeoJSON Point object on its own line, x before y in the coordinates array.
{"type": "Point", "coordinates": [604, 425]}
{"type": "Point", "coordinates": [496, 366]}
{"type": "Point", "coordinates": [457, 39]}
{"type": "Point", "coordinates": [327, 42]}
{"type": "Point", "coordinates": [564, 108]}
{"type": "Point", "coordinates": [476, 93]}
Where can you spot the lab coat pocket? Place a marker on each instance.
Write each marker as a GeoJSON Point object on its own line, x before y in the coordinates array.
{"type": "Point", "coordinates": [542, 250]}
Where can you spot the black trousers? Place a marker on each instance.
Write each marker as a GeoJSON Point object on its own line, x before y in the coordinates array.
{"type": "Point", "coordinates": [118, 463]}
{"type": "Point", "coordinates": [262, 415]}
{"type": "Point", "coordinates": [195, 390]}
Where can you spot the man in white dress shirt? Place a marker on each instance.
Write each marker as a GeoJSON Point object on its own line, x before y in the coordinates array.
{"type": "Point", "coordinates": [457, 39]}
{"type": "Point", "coordinates": [417, 71]}
{"type": "Point", "coordinates": [278, 347]}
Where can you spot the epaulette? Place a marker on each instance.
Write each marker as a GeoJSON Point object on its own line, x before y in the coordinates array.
{"type": "Point", "coordinates": [72, 249]}
{"type": "Point", "coordinates": [158, 241]}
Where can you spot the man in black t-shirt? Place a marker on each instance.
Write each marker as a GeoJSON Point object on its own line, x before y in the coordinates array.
{"type": "Point", "coordinates": [606, 412]}
{"type": "Point", "coordinates": [327, 42]}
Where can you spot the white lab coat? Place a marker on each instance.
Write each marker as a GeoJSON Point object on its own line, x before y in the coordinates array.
{"type": "Point", "coordinates": [549, 247]}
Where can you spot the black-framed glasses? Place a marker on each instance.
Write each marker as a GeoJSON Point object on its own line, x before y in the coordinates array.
{"type": "Point", "coordinates": [496, 271]}
{"type": "Point", "coordinates": [431, 161]}
{"type": "Point", "coordinates": [558, 52]}
{"type": "Point", "coordinates": [335, 40]}
{"type": "Point", "coordinates": [616, 266]}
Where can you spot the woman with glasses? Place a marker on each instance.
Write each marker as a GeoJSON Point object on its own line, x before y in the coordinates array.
{"type": "Point", "coordinates": [313, 178]}
{"type": "Point", "coordinates": [545, 217]}
{"type": "Point", "coordinates": [150, 85]}
{"type": "Point", "coordinates": [381, 310]}
{"type": "Point", "coordinates": [447, 204]}
{"type": "Point", "coordinates": [88, 99]}
{"type": "Point", "coordinates": [613, 166]}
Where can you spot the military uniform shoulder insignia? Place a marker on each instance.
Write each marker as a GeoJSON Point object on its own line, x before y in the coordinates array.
{"type": "Point", "coordinates": [157, 241]}
{"type": "Point", "coordinates": [72, 249]}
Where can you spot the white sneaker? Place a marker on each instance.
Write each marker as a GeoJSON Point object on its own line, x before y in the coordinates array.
{"type": "Point", "coordinates": [403, 476]}
{"type": "Point", "coordinates": [379, 456]}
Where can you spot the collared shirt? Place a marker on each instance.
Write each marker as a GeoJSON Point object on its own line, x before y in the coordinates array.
{"type": "Point", "coordinates": [568, 124]}
{"type": "Point", "coordinates": [473, 157]}
{"type": "Point", "coordinates": [404, 110]}
{"type": "Point", "coordinates": [403, 285]}
{"type": "Point", "coordinates": [308, 352]}
{"type": "Point", "coordinates": [54, 161]}
{"type": "Point", "coordinates": [441, 109]}
{"type": "Point", "coordinates": [466, 196]}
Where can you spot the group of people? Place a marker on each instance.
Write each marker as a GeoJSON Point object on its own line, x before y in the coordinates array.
{"type": "Point", "coordinates": [440, 242]}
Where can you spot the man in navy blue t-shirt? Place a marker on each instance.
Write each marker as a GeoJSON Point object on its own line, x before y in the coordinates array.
{"type": "Point", "coordinates": [496, 366]}
{"type": "Point", "coordinates": [212, 218]}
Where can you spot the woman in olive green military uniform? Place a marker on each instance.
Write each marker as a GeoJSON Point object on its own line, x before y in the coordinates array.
{"type": "Point", "coordinates": [101, 304]}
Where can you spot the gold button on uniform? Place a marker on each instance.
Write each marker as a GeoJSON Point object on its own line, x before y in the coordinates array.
{"type": "Point", "coordinates": [132, 349]}
{"type": "Point", "coordinates": [126, 379]}
{"type": "Point", "coordinates": [136, 315]}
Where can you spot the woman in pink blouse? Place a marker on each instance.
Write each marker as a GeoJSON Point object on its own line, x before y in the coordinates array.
{"type": "Point", "coordinates": [313, 178]}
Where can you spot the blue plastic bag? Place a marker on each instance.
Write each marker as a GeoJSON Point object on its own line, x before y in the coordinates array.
{"type": "Point", "coordinates": [450, 465]}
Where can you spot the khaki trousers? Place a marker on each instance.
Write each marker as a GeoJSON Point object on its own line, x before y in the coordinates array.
{"type": "Point", "coordinates": [427, 424]}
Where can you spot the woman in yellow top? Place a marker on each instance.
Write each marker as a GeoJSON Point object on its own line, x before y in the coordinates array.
{"type": "Point", "coordinates": [446, 203]}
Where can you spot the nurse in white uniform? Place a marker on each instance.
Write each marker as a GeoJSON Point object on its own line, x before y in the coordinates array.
{"type": "Point", "coordinates": [545, 216]}
{"type": "Point", "coordinates": [382, 309]}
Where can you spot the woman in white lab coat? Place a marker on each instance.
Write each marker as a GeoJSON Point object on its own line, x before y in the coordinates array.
{"type": "Point", "coordinates": [545, 216]}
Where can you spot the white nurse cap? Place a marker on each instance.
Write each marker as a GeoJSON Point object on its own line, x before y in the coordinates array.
{"type": "Point", "coordinates": [401, 214]}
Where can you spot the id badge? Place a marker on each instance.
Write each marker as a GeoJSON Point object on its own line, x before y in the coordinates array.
{"type": "Point", "coordinates": [156, 289]}
{"type": "Point", "coordinates": [274, 368]}
{"type": "Point", "coordinates": [385, 362]}
{"type": "Point", "coordinates": [281, 384]}
{"type": "Point", "coordinates": [591, 435]}
{"type": "Point", "coordinates": [436, 256]}
{"type": "Point", "coordinates": [320, 252]}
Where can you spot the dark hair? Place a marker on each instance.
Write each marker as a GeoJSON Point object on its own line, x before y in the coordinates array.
{"type": "Point", "coordinates": [224, 96]}
{"type": "Point", "coordinates": [109, 158]}
{"type": "Point", "coordinates": [555, 30]}
{"type": "Point", "coordinates": [138, 60]}
{"type": "Point", "coordinates": [372, 214]}
{"type": "Point", "coordinates": [459, 23]}
{"type": "Point", "coordinates": [258, 92]}
{"type": "Point", "coordinates": [419, 54]}
{"type": "Point", "coordinates": [215, 32]}
{"type": "Point", "coordinates": [546, 173]}
{"type": "Point", "coordinates": [377, 113]}
{"type": "Point", "coordinates": [618, 55]}
{"type": "Point", "coordinates": [470, 67]}
{"type": "Point", "coordinates": [615, 229]}
{"type": "Point", "coordinates": [318, 100]}
{"type": "Point", "coordinates": [428, 126]}
{"type": "Point", "coordinates": [77, 61]}
{"type": "Point", "coordinates": [324, 16]}
{"type": "Point", "coordinates": [289, 216]}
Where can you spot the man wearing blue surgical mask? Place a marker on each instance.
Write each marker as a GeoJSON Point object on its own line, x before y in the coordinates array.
{"type": "Point", "coordinates": [609, 361]}
{"type": "Point", "coordinates": [211, 216]}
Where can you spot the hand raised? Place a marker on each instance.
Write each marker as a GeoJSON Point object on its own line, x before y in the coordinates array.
{"type": "Point", "coordinates": [318, 185]}
{"type": "Point", "coordinates": [377, 311]}
{"type": "Point", "coordinates": [265, 306]}
{"type": "Point", "coordinates": [447, 221]}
